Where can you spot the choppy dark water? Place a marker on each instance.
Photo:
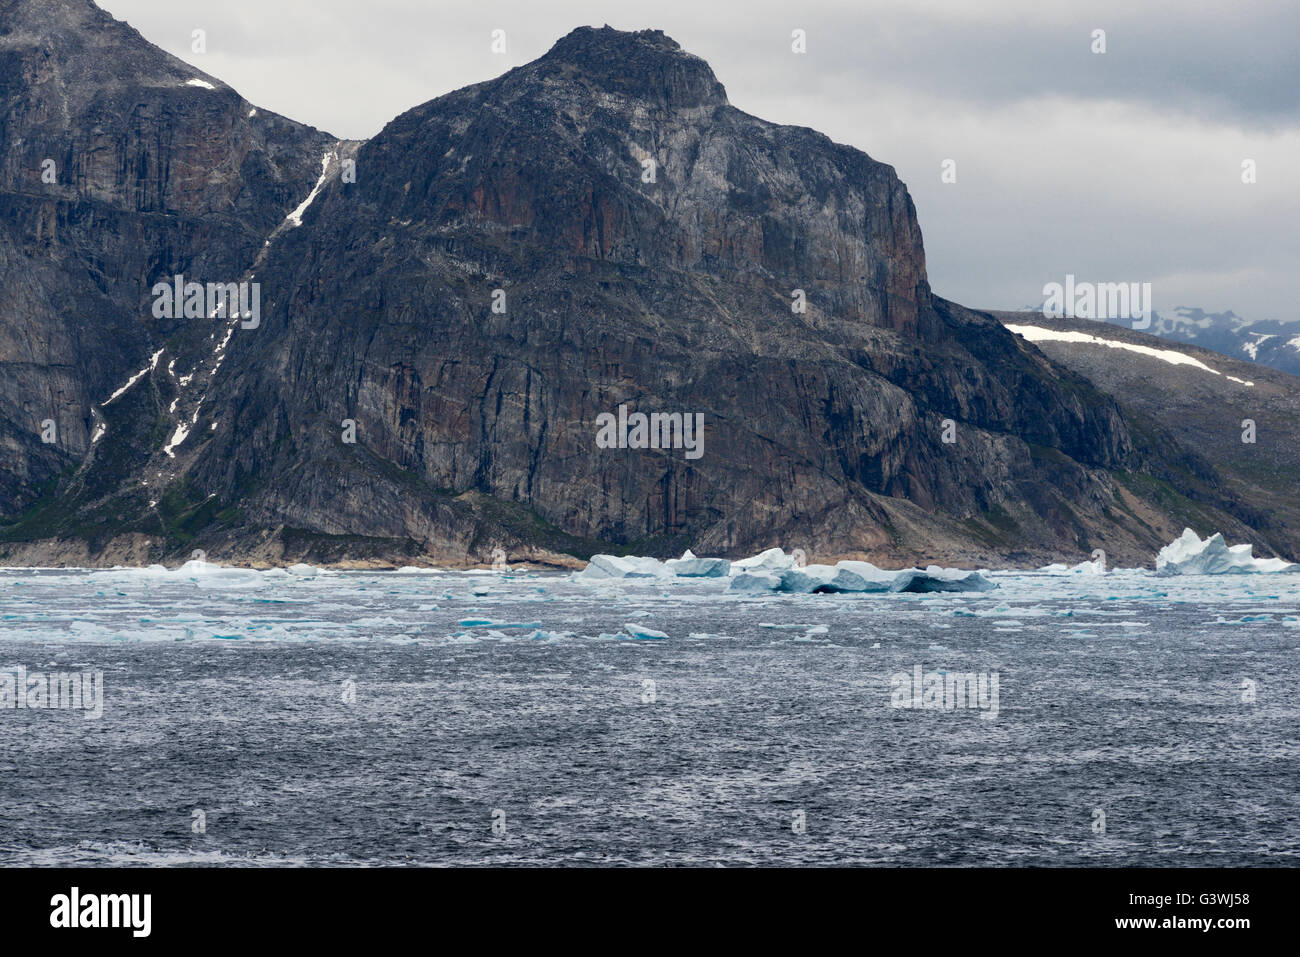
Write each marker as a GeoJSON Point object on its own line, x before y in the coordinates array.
{"type": "Point", "coordinates": [1122, 694]}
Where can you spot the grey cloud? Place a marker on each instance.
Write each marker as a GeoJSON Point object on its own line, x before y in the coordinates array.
{"type": "Point", "coordinates": [1144, 185]}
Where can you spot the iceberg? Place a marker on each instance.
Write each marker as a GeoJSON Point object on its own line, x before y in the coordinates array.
{"type": "Point", "coordinates": [874, 579]}
{"type": "Point", "coordinates": [688, 566]}
{"type": "Point", "coordinates": [775, 571]}
{"type": "Point", "coordinates": [1190, 555]}
{"type": "Point", "coordinates": [936, 579]}
{"type": "Point", "coordinates": [1095, 567]}
{"type": "Point", "coordinates": [851, 576]}
{"type": "Point", "coordinates": [836, 578]}
{"type": "Point", "coordinates": [755, 582]}
{"type": "Point", "coordinates": [765, 563]}
{"type": "Point", "coordinates": [613, 566]}
{"type": "Point", "coordinates": [817, 578]}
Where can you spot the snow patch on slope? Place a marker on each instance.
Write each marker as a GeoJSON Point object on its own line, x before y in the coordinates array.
{"type": "Point", "coordinates": [296, 216]}
{"type": "Point", "coordinates": [179, 436]}
{"type": "Point", "coordinates": [1039, 334]}
{"type": "Point", "coordinates": [153, 363]}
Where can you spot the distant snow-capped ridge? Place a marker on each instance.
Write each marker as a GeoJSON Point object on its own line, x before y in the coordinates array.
{"type": "Point", "coordinates": [1270, 342]}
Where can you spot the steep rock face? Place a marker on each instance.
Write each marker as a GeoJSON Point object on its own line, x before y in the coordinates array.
{"type": "Point", "coordinates": [119, 166]}
{"type": "Point", "coordinates": [671, 295]}
{"type": "Point", "coordinates": [557, 151]}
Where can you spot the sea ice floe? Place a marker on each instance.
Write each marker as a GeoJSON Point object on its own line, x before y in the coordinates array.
{"type": "Point", "coordinates": [1097, 567]}
{"type": "Point", "coordinates": [642, 633]}
{"type": "Point", "coordinates": [1190, 555]}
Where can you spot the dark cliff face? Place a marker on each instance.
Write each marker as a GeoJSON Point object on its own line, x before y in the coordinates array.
{"type": "Point", "coordinates": [672, 296]}
{"type": "Point", "coordinates": [511, 261]}
{"type": "Point", "coordinates": [117, 168]}
{"type": "Point", "coordinates": [556, 151]}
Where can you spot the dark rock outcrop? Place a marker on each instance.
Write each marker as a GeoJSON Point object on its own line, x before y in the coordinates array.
{"type": "Point", "coordinates": [119, 166]}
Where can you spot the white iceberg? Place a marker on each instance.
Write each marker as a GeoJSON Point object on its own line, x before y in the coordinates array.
{"type": "Point", "coordinates": [631, 566]}
{"type": "Point", "coordinates": [755, 582]}
{"type": "Point", "coordinates": [688, 566]}
{"type": "Point", "coordinates": [614, 566]}
{"type": "Point", "coordinates": [772, 560]}
{"type": "Point", "coordinates": [1096, 567]}
{"type": "Point", "coordinates": [642, 633]}
{"type": "Point", "coordinates": [836, 578]}
{"type": "Point", "coordinates": [875, 579]}
{"type": "Point", "coordinates": [851, 576]}
{"type": "Point", "coordinates": [1190, 555]}
{"type": "Point", "coordinates": [775, 571]}
{"type": "Point", "coordinates": [936, 579]}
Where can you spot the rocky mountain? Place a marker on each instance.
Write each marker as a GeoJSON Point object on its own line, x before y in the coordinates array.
{"type": "Point", "coordinates": [1270, 342]}
{"type": "Point", "coordinates": [1238, 415]}
{"type": "Point", "coordinates": [449, 317]}
{"type": "Point", "coordinates": [120, 165]}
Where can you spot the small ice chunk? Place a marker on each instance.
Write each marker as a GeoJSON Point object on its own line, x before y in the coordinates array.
{"type": "Point", "coordinates": [643, 633]}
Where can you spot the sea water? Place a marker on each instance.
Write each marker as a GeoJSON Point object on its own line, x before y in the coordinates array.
{"type": "Point", "coordinates": [433, 718]}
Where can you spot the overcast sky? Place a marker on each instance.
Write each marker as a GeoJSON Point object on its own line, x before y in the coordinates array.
{"type": "Point", "coordinates": [1123, 166]}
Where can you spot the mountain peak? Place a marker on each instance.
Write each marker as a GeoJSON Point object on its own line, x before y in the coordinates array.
{"type": "Point", "coordinates": [646, 64]}
{"type": "Point", "coordinates": [94, 52]}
